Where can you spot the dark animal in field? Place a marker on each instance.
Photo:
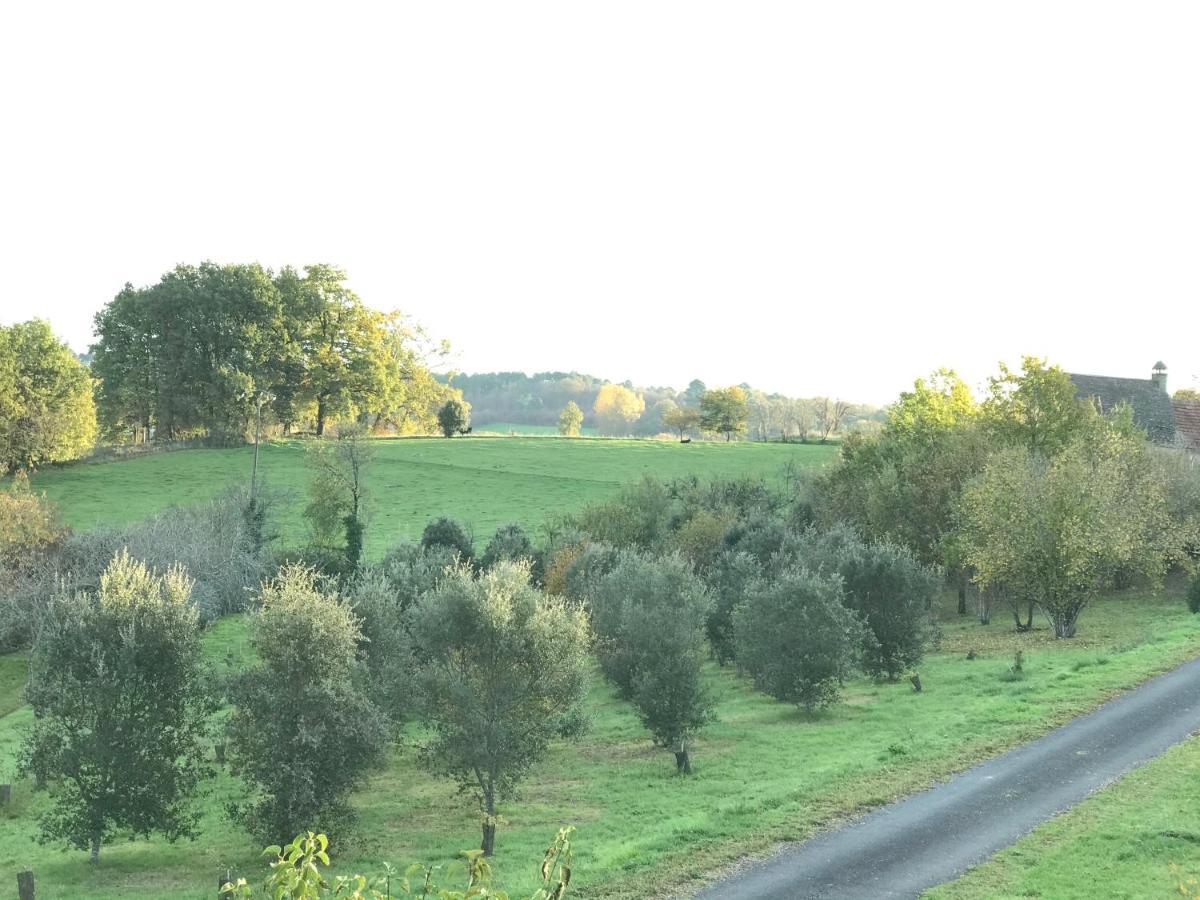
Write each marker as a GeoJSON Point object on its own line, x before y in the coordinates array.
{"type": "Point", "coordinates": [685, 440]}
{"type": "Point", "coordinates": [466, 430]}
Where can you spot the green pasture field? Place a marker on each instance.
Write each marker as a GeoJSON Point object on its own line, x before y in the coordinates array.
{"type": "Point", "coordinates": [484, 482]}
{"type": "Point", "coordinates": [1140, 837]}
{"type": "Point", "coordinates": [765, 772]}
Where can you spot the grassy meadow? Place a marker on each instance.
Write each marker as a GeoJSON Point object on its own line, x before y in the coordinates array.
{"type": "Point", "coordinates": [764, 771]}
{"type": "Point", "coordinates": [484, 482]}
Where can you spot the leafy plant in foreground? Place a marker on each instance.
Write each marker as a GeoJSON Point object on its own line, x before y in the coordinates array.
{"type": "Point", "coordinates": [296, 874]}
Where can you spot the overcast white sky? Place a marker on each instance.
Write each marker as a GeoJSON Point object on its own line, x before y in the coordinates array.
{"type": "Point", "coordinates": [811, 197]}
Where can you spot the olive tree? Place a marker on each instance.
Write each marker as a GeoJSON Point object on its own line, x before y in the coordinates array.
{"type": "Point", "coordinates": [118, 689]}
{"type": "Point", "coordinates": [797, 638]}
{"type": "Point", "coordinates": [302, 733]}
{"type": "Point", "coordinates": [886, 585]}
{"type": "Point", "coordinates": [503, 671]}
{"type": "Point", "coordinates": [650, 615]}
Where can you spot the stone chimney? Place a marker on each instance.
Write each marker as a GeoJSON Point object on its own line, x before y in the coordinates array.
{"type": "Point", "coordinates": [1159, 376]}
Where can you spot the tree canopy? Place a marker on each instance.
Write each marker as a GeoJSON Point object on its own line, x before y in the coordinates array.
{"type": "Point", "coordinates": [47, 413]}
{"type": "Point", "coordinates": [725, 411]}
{"type": "Point", "coordinates": [187, 357]}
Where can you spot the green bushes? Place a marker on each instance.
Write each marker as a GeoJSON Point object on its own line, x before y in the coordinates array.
{"type": "Point", "coordinates": [797, 638]}
{"type": "Point", "coordinates": [650, 616]}
{"type": "Point", "coordinates": [503, 670]}
{"type": "Point", "coordinates": [211, 541]}
{"type": "Point", "coordinates": [1193, 596]}
{"type": "Point", "coordinates": [296, 875]}
{"type": "Point", "coordinates": [302, 733]}
{"type": "Point", "coordinates": [118, 690]}
{"type": "Point", "coordinates": [450, 535]}
{"type": "Point", "coordinates": [885, 584]}
{"type": "Point", "coordinates": [511, 543]}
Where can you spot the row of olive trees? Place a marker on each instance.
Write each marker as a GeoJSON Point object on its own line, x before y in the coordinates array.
{"type": "Point", "coordinates": [122, 695]}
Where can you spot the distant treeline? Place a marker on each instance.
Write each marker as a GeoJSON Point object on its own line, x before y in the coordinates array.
{"type": "Point", "coordinates": [520, 399]}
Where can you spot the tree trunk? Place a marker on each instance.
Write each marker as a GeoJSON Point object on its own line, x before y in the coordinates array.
{"type": "Point", "coordinates": [95, 858]}
{"type": "Point", "coordinates": [489, 825]}
{"type": "Point", "coordinates": [1064, 624]}
{"type": "Point", "coordinates": [683, 762]}
{"type": "Point", "coordinates": [962, 594]}
{"type": "Point", "coordinates": [25, 885]}
{"type": "Point", "coordinates": [321, 417]}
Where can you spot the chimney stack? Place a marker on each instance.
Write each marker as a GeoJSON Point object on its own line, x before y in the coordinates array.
{"type": "Point", "coordinates": [1159, 376]}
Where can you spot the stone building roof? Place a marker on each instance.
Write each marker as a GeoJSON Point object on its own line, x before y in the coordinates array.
{"type": "Point", "coordinates": [1151, 404]}
{"type": "Point", "coordinates": [1187, 423]}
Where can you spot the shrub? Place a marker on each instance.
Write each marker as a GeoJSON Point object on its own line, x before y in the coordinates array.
{"type": "Point", "coordinates": [796, 637]}
{"type": "Point", "coordinates": [296, 875]}
{"type": "Point", "coordinates": [302, 733]}
{"type": "Point", "coordinates": [211, 541]}
{"type": "Point", "coordinates": [886, 586]}
{"type": "Point", "coordinates": [699, 539]}
{"type": "Point", "coordinates": [454, 417]}
{"type": "Point", "coordinates": [637, 517]}
{"type": "Point", "coordinates": [727, 581]}
{"type": "Point", "coordinates": [1193, 596]}
{"type": "Point", "coordinates": [386, 645]}
{"type": "Point", "coordinates": [117, 686]}
{"type": "Point", "coordinates": [590, 564]}
{"type": "Point", "coordinates": [761, 535]}
{"type": "Point", "coordinates": [412, 569]}
{"type": "Point", "coordinates": [510, 543]}
{"type": "Point", "coordinates": [504, 670]}
{"type": "Point", "coordinates": [650, 615]}
{"type": "Point", "coordinates": [447, 533]}
{"type": "Point", "coordinates": [555, 579]}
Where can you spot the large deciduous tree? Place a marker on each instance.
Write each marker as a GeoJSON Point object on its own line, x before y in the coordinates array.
{"type": "Point", "coordinates": [570, 420]}
{"type": "Point", "coordinates": [46, 409]}
{"type": "Point", "coordinates": [117, 686]}
{"type": "Point", "coordinates": [504, 670]}
{"type": "Point", "coordinates": [681, 419]}
{"type": "Point", "coordinates": [1059, 529]}
{"type": "Point", "coordinates": [188, 356]}
{"type": "Point", "coordinates": [725, 411]}
{"type": "Point", "coordinates": [1036, 408]}
{"type": "Point", "coordinates": [617, 408]}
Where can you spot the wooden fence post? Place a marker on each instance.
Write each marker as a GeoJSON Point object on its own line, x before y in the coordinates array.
{"type": "Point", "coordinates": [223, 880]}
{"type": "Point", "coordinates": [25, 885]}
{"type": "Point", "coordinates": [5, 794]}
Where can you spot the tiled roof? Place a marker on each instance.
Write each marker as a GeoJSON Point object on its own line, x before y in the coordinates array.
{"type": "Point", "coordinates": [1187, 422]}
{"type": "Point", "coordinates": [1150, 403]}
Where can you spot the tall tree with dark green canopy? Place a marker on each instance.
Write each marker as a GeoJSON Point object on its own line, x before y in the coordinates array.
{"type": "Point", "coordinates": [46, 410]}
{"type": "Point", "coordinates": [117, 686]}
{"type": "Point", "coordinates": [189, 355]}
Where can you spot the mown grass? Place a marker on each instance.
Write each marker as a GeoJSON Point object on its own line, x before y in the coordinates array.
{"type": "Point", "coordinates": [1120, 843]}
{"type": "Point", "coordinates": [485, 482]}
{"type": "Point", "coordinates": [765, 773]}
